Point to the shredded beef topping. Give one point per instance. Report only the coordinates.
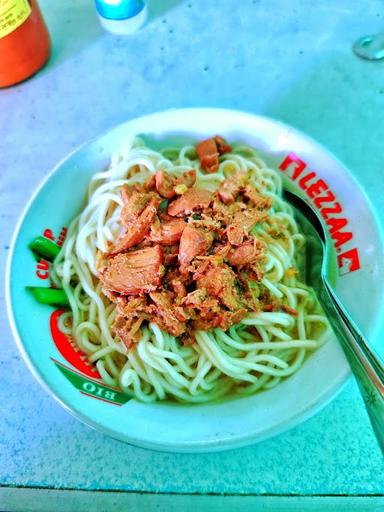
(187, 258)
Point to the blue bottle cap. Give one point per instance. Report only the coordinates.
(119, 9)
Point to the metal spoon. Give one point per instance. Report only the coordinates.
(370, 47)
(365, 363)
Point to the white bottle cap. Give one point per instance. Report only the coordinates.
(121, 17)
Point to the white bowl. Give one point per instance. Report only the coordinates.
(200, 428)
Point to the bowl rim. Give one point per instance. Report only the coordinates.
(209, 445)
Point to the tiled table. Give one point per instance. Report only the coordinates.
(290, 60)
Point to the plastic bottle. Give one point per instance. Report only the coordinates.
(121, 17)
(24, 40)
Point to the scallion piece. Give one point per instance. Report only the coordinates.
(52, 296)
(163, 206)
(45, 247)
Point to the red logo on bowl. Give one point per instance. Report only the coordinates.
(85, 376)
(329, 207)
(69, 350)
(42, 266)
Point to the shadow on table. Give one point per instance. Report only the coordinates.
(157, 8)
(73, 26)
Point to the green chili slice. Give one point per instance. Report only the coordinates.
(45, 248)
(52, 296)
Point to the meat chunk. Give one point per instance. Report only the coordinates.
(220, 282)
(167, 233)
(193, 242)
(207, 222)
(131, 313)
(128, 329)
(259, 201)
(255, 271)
(179, 288)
(149, 184)
(126, 192)
(136, 226)
(134, 272)
(230, 188)
(235, 234)
(171, 317)
(220, 211)
(166, 184)
(171, 253)
(195, 298)
(242, 223)
(130, 306)
(222, 320)
(209, 150)
(204, 308)
(247, 252)
(208, 155)
(246, 219)
(188, 178)
(222, 145)
(134, 204)
(194, 199)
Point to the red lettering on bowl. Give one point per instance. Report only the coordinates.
(320, 194)
(67, 348)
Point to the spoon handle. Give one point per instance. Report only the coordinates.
(365, 364)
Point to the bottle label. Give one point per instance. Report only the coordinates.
(12, 14)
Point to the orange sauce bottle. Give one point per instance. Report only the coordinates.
(24, 40)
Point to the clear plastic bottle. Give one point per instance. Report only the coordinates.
(121, 17)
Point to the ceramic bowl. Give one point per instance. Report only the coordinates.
(66, 373)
